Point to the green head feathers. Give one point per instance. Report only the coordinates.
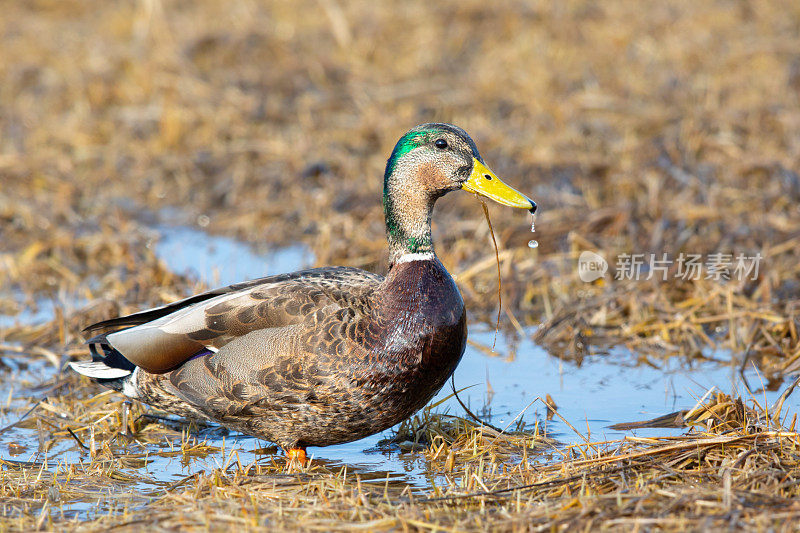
(411, 140)
(444, 159)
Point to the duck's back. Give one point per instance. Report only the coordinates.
(344, 354)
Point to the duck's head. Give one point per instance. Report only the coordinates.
(427, 162)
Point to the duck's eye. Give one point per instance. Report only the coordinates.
(440, 143)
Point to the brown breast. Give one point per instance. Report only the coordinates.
(423, 332)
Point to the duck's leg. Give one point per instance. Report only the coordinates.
(297, 454)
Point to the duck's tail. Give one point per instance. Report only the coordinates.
(108, 367)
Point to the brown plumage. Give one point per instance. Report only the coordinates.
(320, 356)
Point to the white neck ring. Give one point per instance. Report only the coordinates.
(407, 258)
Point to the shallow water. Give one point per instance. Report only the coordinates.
(603, 390)
(36, 311)
(220, 261)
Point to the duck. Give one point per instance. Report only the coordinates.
(320, 356)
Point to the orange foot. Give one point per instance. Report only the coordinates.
(296, 454)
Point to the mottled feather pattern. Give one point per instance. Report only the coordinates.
(321, 356)
(282, 301)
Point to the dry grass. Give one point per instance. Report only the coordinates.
(736, 468)
(662, 128)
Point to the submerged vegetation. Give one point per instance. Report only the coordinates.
(671, 128)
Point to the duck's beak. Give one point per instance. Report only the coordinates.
(484, 182)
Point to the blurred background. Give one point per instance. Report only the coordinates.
(150, 149)
(666, 127)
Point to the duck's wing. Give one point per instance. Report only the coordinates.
(160, 339)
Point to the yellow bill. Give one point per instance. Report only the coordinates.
(484, 182)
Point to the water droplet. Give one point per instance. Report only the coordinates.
(532, 243)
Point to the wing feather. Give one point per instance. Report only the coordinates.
(161, 339)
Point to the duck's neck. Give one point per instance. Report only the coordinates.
(407, 207)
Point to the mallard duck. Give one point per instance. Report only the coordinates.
(320, 356)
